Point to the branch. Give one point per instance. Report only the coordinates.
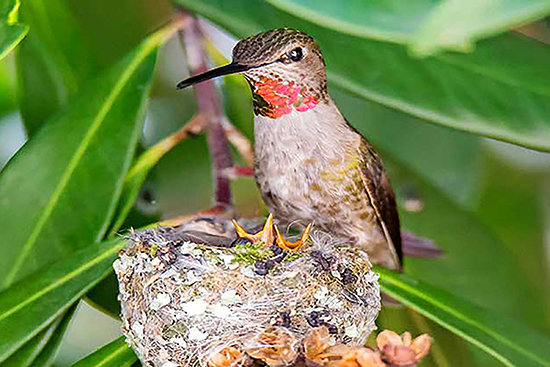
(239, 141)
(209, 105)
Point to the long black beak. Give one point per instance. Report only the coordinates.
(232, 68)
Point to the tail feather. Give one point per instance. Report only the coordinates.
(416, 246)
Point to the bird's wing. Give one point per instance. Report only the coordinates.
(381, 195)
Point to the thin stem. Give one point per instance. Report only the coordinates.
(239, 141)
(209, 105)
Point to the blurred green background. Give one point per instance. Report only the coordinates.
(485, 202)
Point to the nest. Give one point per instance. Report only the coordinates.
(196, 296)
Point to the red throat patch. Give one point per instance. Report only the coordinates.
(280, 99)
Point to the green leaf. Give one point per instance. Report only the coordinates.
(41, 349)
(65, 49)
(53, 63)
(11, 33)
(104, 296)
(49, 352)
(25, 355)
(467, 92)
(504, 339)
(427, 25)
(392, 21)
(448, 159)
(456, 24)
(116, 353)
(508, 188)
(87, 151)
(138, 173)
(28, 306)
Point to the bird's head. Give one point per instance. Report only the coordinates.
(285, 70)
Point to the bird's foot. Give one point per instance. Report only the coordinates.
(292, 246)
(266, 234)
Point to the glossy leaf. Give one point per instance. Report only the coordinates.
(41, 349)
(137, 174)
(87, 151)
(104, 296)
(65, 48)
(509, 342)
(28, 306)
(457, 24)
(53, 62)
(392, 21)
(25, 355)
(426, 25)
(11, 33)
(116, 353)
(469, 92)
(450, 160)
(49, 352)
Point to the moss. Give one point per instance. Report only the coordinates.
(293, 256)
(251, 253)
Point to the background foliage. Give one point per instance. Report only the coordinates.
(430, 83)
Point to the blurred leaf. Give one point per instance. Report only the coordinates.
(469, 250)
(25, 355)
(467, 92)
(41, 349)
(52, 63)
(28, 306)
(476, 265)
(172, 173)
(66, 49)
(11, 33)
(8, 102)
(104, 296)
(509, 342)
(49, 352)
(138, 173)
(116, 353)
(427, 25)
(87, 151)
(450, 160)
(392, 21)
(457, 24)
(507, 190)
(124, 24)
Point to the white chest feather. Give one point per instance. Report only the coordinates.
(294, 151)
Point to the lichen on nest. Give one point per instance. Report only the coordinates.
(192, 292)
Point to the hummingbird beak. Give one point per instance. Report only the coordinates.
(232, 68)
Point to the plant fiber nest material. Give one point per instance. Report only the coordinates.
(192, 292)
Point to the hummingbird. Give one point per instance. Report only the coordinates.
(310, 163)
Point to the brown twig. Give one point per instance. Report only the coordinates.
(239, 141)
(209, 105)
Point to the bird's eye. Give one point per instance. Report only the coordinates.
(296, 54)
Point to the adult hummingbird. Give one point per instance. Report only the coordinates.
(310, 164)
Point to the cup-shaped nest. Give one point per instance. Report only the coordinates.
(195, 296)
